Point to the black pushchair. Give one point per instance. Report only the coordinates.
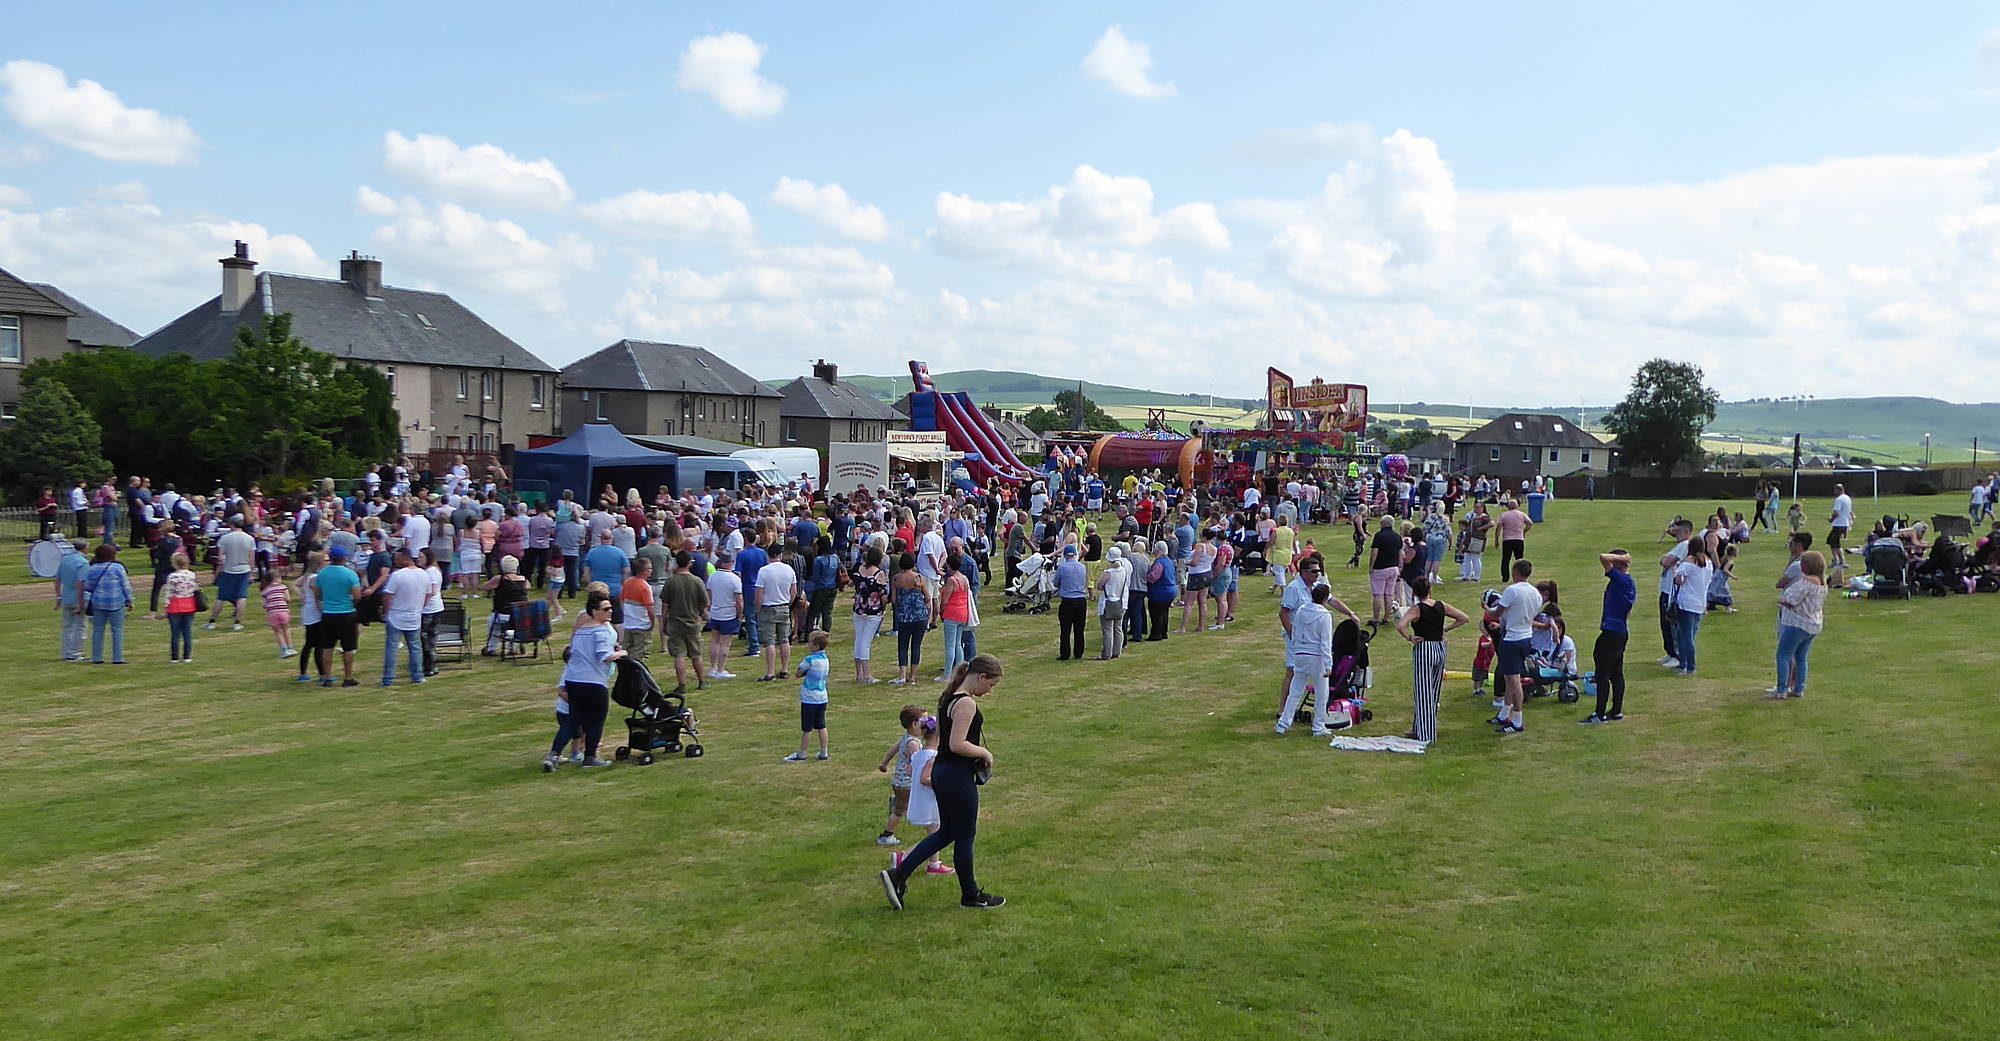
(1942, 572)
(658, 721)
(1347, 688)
(1888, 569)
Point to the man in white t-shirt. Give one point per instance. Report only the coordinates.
(1251, 496)
(235, 555)
(1519, 604)
(930, 558)
(1841, 520)
(403, 597)
(777, 597)
(725, 613)
(416, 530)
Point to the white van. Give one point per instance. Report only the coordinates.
(724, 472)
(790, 462)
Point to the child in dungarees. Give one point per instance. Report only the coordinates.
(899, 780)
(1719, 594)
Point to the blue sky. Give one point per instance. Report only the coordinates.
(1506, 202)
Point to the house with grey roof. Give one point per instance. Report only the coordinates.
(642, 387)
(460, 384)
(819, 410)
(1523, 444)
(39, 321)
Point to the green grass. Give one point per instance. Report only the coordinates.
(214, 851)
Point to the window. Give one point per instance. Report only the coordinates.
(1517, 424)
(1527, 455)
(486, 382)
(489, 442)
(732, 410)
(791, 431)
(1493, 455)
(1584, 456)
(390, 372)
(534, 392)
(464, 384)
(1555, 455)
(1559, 428)
(7, 411)
(10, 338)
(602, 397)
(667, 427)
(760, 433)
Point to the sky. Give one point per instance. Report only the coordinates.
(1502, 204)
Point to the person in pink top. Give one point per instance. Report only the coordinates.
(1514, 526)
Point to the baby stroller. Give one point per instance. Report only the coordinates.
(1034, 588)
(1942, 572)
(658, 721)
(1347, 688)
(1888, 570)
(1545, 678)
(1251, 561)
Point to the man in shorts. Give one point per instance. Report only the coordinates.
(1385, 564)
(683, 609)
(334, 587)
(235, 554)
(777, 597)
(635, 630)
(1841, 520)
(1519, 604)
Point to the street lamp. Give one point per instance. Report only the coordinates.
(1927, 450)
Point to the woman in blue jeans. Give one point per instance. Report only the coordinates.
(956, 774)
(1799, 619)
(1691, 581)
(108, 590)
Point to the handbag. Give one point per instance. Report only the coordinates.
(972, 612)
(1476, 545)
(982, 773)
(200, 601)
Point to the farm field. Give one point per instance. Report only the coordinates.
(212, 850)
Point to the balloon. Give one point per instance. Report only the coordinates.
(1396, 465)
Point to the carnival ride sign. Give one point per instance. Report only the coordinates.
(1317, 405)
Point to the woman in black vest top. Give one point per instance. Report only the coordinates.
(961, 765)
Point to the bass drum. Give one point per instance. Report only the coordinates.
(44, 558)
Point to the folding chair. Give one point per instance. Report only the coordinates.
(527, 626)
(453, 639)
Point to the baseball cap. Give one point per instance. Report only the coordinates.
(336, 553)
(1069, 550)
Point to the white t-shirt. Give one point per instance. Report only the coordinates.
(434, 600)
(1843, 511)
(237, 551)
(723, 589)
(416, 531)
(1251, 497)
(923, 810)
(408, 588)
(777, 584)
(1679, 553)
(1519, 604)
(930, 554)
(1692, 596)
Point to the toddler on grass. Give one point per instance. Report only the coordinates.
(899, 781)
(278, 611)
(923, 800)
(812, 697)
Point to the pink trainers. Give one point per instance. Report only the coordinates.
(940, 869)
(896, 859)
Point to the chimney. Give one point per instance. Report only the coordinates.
(826, 370)
(239, 278)
(363, 273)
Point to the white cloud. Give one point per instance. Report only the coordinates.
(718, 216)
(724, 67)
(786, 273)
(136, 262)
(1125, 65)
(18, 153)
(1230, 293)
(13, 198)
(478, 174)
(1196, 224)
(90, 118)
(1304, 144)
(123, 191)
(452, 245)
(1094, 208)
(830, 207)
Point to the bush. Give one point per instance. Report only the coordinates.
(1922, 488)
(1722, 494)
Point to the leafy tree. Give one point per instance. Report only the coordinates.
(147, 408)
(1660, 421)
(54, 441)
(1062, 416)
(288, 408)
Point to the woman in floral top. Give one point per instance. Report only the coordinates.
(871, 598)
(1437, 537)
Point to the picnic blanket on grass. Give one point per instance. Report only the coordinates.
(1377, 744)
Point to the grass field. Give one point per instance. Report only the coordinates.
(213, 851)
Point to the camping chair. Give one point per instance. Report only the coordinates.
(453, 642)
(526, 627)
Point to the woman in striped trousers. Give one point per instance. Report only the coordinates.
(1424, 625)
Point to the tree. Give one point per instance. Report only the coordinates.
(54, 441)
(1660, 421)
(286, 408)
(1063, 415)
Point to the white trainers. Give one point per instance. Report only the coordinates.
(210, 627)
(237, 628)
(286, 652)
(1671, 663)
(722, 675)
